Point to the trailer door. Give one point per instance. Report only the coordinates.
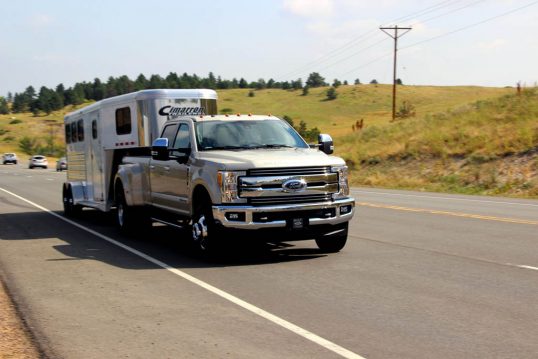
(96, 158)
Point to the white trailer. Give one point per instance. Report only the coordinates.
(100, 135)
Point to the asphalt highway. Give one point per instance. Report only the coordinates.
(423, 275)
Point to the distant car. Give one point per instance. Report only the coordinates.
(38, 161)
(9, 158)
(61, 164)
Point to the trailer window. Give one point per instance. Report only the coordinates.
(123, 121)
(94, 129)
(74, 135)
(67, 133)
(80, 130)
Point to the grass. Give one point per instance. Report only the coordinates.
(462, 139)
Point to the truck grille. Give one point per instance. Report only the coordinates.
(264, 201)
(271, 186)
(289, 171)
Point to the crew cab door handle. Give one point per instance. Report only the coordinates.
(167, 168)
(151, 167)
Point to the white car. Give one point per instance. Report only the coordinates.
(38, 161)
(9, 158)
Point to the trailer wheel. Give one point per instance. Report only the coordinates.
(333, 243)
(203, 227)
(130, 220)
(70, 208)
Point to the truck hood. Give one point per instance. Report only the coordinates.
(235, 160)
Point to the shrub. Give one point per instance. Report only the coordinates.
(15, 121)
(332, 94)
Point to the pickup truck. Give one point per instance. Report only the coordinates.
(245, 175)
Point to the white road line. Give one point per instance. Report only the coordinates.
(527, 267)
(447, 198)
(245, 305)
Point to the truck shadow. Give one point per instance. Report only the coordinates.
(165, 244)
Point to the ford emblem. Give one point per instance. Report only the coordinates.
(294, 185)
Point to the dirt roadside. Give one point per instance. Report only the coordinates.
(15, 342)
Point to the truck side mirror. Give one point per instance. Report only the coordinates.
(325, 143)
(159, 150)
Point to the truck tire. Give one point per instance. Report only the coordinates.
(333, 243)
(70, 208)
(203, 227)
(130, 220)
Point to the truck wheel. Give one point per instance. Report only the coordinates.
(203, 231)
(70, 208)
(130, 220)
(333, 243)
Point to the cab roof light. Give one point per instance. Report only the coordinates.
(238, 114)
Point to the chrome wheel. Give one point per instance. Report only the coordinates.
(199, 232)
(121, 215)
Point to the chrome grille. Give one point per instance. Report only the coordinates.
(289, 171)
(269, 186)
(260, 201)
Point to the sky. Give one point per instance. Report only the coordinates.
(452, 42)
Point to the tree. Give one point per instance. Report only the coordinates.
(141, 83)
(315, 80)
(332, 94)
(399, 82)
(289, 120)
(306, 89)
(374, 82)
(44, 101)
(27, 145)
(9, 97)
(243, 83)
(336, 83)
(297, 84)
(4, 109)
(357, 82)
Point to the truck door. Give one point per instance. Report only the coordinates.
(169, 179)
(177, 178)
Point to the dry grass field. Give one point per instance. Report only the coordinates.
(462, 139)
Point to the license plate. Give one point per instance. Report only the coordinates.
(297, 223)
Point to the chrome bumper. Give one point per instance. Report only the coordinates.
(220, 214)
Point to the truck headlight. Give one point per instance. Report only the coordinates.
(343, 185)
(228, 181)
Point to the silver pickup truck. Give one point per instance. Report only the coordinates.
(245, 175)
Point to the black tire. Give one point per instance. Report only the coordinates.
(130, 220)
(70, 208)
(333, 243)
(204, 235)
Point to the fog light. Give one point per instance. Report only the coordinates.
(235, 216)
(345, 209)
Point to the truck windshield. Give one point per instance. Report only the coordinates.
(246, 134)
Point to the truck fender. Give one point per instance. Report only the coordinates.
(132, 178)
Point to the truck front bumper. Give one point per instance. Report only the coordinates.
(293, 216)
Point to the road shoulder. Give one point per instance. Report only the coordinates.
(15, 340)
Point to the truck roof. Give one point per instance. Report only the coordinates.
(149, 95)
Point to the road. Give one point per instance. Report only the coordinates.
(423, 276)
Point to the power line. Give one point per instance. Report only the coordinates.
(471, 25)
(440, 36)
(351, 43)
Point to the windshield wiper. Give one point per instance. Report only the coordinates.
(273, 145)
(227, 148)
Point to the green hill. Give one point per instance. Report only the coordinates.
(460, 139)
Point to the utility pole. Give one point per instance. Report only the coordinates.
(395, 36)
